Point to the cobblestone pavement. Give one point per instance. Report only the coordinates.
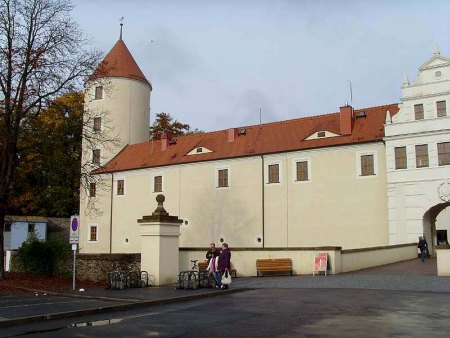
(404, 276)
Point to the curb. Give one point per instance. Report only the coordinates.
(62, 294)
(121, 307)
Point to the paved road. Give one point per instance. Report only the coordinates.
(38, 304)
(269, 312)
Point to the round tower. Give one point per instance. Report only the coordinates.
(117, 103)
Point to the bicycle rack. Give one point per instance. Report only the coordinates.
(132, 279)
(193, 279)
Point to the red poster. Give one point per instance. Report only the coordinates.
(320, 261)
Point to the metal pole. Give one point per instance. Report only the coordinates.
(74, 267)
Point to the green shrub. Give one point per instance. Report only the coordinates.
(42, 258)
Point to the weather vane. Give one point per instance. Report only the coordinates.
(121, 26)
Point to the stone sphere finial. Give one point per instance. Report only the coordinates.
(160, 208)
(160, 198)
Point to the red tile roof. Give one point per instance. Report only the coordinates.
(267, 138)
(119, 63)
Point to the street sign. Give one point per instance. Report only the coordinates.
(74, 229)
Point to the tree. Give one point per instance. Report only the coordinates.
(47, 179)
(43, 54)
(164, 124)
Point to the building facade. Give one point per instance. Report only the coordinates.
(418, 156)
(324, 180)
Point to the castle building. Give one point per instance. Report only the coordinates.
(355, 178)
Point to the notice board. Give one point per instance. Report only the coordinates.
(320, 262)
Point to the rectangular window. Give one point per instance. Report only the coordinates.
(367, 165)
(93, 233)
(422, 156)
(120, 187)
(96, 156)
(441, 108)
(274, 173)
(157, 184)
(31, 227)
(222, 180)
(302, 171)
(92, 189)
(400, 158)
(98, 92)
(97, 123)
(7, 227)
(418, 111)
(444, 153)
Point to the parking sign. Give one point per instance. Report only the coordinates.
(74, 229)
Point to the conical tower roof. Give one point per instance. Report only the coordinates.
(119, 63)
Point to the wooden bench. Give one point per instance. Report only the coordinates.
(273, 266)
(203, 265)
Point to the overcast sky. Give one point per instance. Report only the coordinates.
(213, 64)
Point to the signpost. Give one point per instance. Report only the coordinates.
(74, 240)
(320, 262)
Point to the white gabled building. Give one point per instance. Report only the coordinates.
(418, 155)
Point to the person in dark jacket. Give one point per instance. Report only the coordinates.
(423, 247)
(225, 261)
(212, 252)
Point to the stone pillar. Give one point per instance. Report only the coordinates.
(443, 260)
(160, 234)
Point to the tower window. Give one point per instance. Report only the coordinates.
(97, 124)
(400, 157)
(98, 93)
(92, 189)
(418, 111)
(92, 233)
(96, 156)
(441, 108)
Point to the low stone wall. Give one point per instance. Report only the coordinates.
(357, 259)
(95, 267)
(339, 261)
(244, 259)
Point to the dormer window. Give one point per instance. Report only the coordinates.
(321, 134)
(199, 151)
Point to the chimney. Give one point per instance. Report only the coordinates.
(165, 139)
(346, 119)
(231, 134)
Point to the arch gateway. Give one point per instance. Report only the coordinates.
(418, 157)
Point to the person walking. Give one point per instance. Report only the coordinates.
(225, 261)
(423, 247)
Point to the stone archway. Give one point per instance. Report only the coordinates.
(429, 225)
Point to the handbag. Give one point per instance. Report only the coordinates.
(226, 277)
